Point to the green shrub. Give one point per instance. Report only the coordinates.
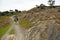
(42, 6)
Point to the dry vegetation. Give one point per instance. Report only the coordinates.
(35, 15)
(45, 23)
(4, 24)
(4, 20)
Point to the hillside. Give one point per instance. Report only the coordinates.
(4, 20)
(35, 15)
(42, 24)
(34, 24)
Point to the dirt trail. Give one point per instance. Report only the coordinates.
(7, 33)
(19, 32)
(18, 35)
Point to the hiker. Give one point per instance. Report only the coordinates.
(15, 18)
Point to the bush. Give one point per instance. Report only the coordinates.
(42, 6)
(51, 3)
(37, 6)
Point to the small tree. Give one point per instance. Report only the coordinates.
(19, 11)
(51, 3)
(11, 10)
(42, 6)
(16, 10)
(37, 6)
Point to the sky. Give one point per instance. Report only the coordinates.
(22, 4)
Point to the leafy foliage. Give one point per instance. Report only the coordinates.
(42, 6)
(51, 2)
(9, 13)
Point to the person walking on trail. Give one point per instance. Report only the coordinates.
(15, 18)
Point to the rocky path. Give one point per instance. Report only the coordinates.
(45, 30)
(19, 33)
(7, 33)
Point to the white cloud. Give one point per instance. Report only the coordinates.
(21, 4)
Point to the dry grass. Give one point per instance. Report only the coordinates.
(42, 15)
(25, 24)
(4, 20)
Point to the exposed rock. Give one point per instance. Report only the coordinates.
(47, 30)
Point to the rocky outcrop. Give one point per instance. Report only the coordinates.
(47, 30)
